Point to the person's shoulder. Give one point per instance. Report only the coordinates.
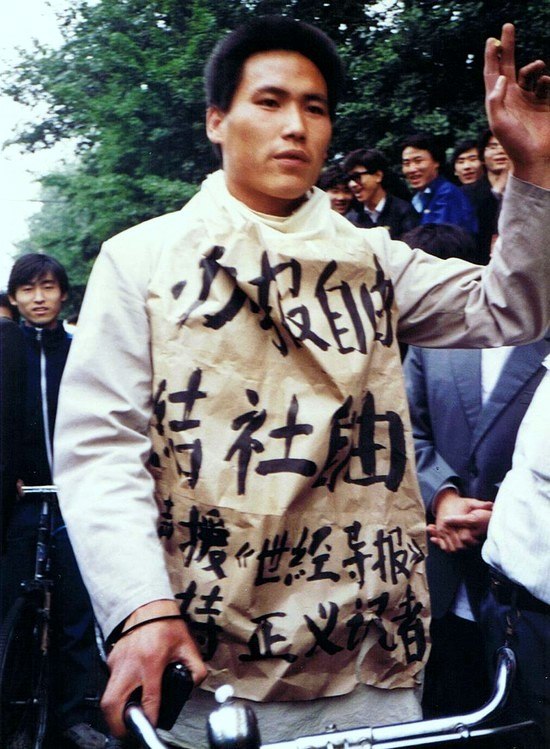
(446, 187)
(399, 204)
(157, 227)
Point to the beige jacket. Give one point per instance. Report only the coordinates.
(257, 359)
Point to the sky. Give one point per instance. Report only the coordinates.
(19, 192)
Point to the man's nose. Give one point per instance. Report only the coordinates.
(38, 295)
(294, 121)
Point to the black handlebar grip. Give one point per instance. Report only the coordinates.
(177, 684)
(176, 687)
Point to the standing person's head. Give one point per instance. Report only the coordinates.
(366, 169)
(7, 309)
(422, 159)
(492, 154)
(272, 86)
(38, 286)
(466, 162)
(334, 182)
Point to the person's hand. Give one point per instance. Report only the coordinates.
(460, 522)
(139, 660)
(518, 108)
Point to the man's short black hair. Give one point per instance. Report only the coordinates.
(371, 158)
(461, 147)
(262, 34)
(484, 138)
(331, 177)
(33, 267)
(425, 142)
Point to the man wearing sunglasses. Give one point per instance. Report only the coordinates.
(369, 179)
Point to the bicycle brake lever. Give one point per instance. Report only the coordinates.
(175, 690)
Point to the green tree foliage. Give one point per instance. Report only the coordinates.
(127, 87)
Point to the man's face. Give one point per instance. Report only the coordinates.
(275, 135)
(39, 302)
(340, 198)
(495, 156)
(365, 187)
(419, 167)
(468, 166)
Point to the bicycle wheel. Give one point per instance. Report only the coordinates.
(23, 678)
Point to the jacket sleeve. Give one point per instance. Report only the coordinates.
(102, 444)
(452, 303)
(434, 473)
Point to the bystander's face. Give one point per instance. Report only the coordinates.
(366, 188)
(419, 167)
(275, 135)
(468, 166)
(39, 301)
(340, 198)
(495, 157)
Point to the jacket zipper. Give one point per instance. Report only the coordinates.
(44, 399)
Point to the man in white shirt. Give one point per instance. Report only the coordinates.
(251, 361)
(518, 551)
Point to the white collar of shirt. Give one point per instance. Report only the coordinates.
(375, 213)
(492, 363)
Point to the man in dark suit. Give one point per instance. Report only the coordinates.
(369, 178)
(466, 408)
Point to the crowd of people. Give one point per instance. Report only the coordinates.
(365, 189)
(305, 459)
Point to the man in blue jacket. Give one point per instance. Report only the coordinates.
(436, 199)
(38, 286)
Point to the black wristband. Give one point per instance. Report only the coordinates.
(131, 629)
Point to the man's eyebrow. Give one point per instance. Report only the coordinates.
(277, 91)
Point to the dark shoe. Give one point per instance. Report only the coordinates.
(83, 736)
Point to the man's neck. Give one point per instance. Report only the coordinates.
(374, 199)
(498, 180)
(50, 326)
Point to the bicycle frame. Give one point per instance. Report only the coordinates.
(41, 580)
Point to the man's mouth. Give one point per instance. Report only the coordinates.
(293, 156)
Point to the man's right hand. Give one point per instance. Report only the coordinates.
(139, 660)
(460, 522)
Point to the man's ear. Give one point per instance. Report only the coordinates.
(214, 125)
(64, 296)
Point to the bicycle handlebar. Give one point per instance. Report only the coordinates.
(234, 726)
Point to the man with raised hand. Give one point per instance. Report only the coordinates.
(256, 331)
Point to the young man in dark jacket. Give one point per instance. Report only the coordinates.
(38, 286)
(369, 177)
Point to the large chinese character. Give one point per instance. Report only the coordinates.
(269, 559)
(411, 629)
(246, 444)
(288, 433)
(188, 397)
(367, 446)
(262, 641)
(166, 524)
(206, 630)
(268, 276)
(391, 560)
(344, 294)
(207, 534)
(321, 635)
(382, 289)
(210, 268)
(357, 560)
(339, 444)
